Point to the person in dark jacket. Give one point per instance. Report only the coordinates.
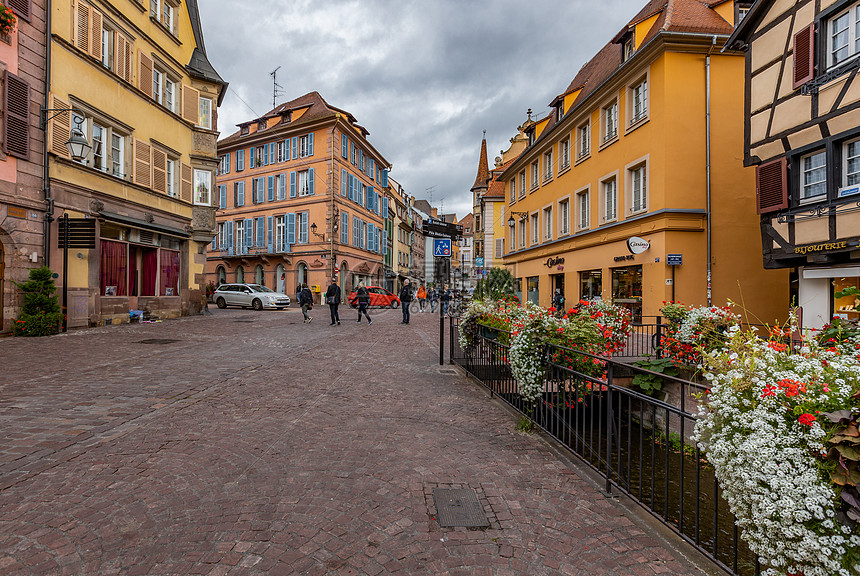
(558, 302)
(332, 298)
(446, 298)
(306, 299)
(405, 300)
(363, 302)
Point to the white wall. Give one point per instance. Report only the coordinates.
(814, 298)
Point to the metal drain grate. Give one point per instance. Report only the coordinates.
(158, 341)
(447, 371)
(459, 507)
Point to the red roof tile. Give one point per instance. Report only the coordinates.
(483, 168)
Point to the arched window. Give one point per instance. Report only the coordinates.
(302, 270)
(240, 274)
(260, 275)
(221, 275)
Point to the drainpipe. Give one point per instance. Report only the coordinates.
(708, 158)
(331, 226)
(46, 183)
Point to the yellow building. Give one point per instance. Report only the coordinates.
(638, 167)
(142, 92)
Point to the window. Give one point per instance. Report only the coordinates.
(240, 240)
(639, 101)
(158, 85)
(610, 121)
(638, 189)
(523, 184)
(583, 140)
(202, 188)
(169, 273)
(302, 227)
(547, 166)
(240, 160)
(170, 94)
(564, 217)
(280, 234)
(205, 113)
(852, 164)
(282, 151)
(743, 10)
(535, 174)
(513, 193)
(306, 145)
(99, 136)
(167, 17)
(547, 223)
(117, 155)
(629, 48)
(610, 199)
(563, 154)
(814, 175)
(843, 35)
(534, 227)
(583, 208)
(171, 178)
(108, 48)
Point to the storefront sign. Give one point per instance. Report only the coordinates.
(624, 258)
(14, 212)
(637, 245)
(820, 247)
(550, 262)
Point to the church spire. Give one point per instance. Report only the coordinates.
(483, 176)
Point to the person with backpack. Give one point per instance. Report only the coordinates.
(422, 298)
(306, 299)
(434, 299)
(363, 302)
(332, 298)
(405, 300)
(558, 302)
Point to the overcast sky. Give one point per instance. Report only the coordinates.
(425, 77)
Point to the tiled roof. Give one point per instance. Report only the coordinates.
(319, 108)
(497, 187)
(483, 168)
(199, 64)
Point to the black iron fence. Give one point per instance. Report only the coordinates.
(639, 443)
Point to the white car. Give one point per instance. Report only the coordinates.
(253, 295)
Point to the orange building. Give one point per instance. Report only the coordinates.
(300, 194)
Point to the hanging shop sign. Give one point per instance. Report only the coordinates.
(637, 245)
(551, 262)
(825, 247)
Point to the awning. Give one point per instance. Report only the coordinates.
(138, 223)
(847, 272)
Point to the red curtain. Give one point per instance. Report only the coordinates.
(169, 272)
(149, 270)
(114, 268)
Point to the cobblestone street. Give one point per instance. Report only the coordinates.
(249, 443)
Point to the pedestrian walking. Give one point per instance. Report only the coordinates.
(332, 298)
(446, 298)
(422, 298)
(306, 299)
(558, 302)
(405, 300)
(434, 299)
(363, 302)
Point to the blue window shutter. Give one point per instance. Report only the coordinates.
(304, 227)
(286, 149)
(230, 238)
(265, 154)
(259, 231)
(241, 193)
(240, 160)
(354, 231)
(273, 152)
(343, 182)
(282, 186)
(249, 233)
(270, 190)
(292, 185)
(295, 147)
(227, 163)
(385, 207)
(385, 177)
(344, 227)
(311, 181)
(351, 187)
(363, 238)
(352, 152)
(251, 157)
(311, 144)
(344, 145)
(222, 196)
(385, 242)
(370, 168)
(291, 228)
(270, 233)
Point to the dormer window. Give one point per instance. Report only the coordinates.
(261, 125)
(629, 48)
(286, 117)
(245, 130)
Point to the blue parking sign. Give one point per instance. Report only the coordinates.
(442, 247)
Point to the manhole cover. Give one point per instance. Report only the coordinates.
(158, 341)
(459, 507)
(447, 371)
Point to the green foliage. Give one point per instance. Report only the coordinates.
(525, 425)
(845, 454)
(838, 331)
(674, 312)
(651, 383)
(498, 285)
(850, 291)
(41, 313)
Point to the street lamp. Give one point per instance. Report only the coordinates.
(78, 146)
(511, 220)
(314, 230)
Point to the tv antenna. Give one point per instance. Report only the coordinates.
(277, 89)
(430, 191)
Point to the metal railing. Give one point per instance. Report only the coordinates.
(639, 444)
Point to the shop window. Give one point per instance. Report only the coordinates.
(627, 289)
(532, 284)
(590, 284)
(169, 273)
(847, 307)
(114, 268)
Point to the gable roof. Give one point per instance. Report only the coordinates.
(199, 65)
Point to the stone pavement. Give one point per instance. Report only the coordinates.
(250, 443)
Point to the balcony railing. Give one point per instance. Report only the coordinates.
(254, 250)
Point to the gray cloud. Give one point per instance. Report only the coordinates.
(424, 77)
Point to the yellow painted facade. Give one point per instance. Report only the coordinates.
(145, 97)
(655, 168)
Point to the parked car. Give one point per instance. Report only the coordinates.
(379, 297)
(253, 295)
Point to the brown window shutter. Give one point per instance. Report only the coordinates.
(159, 170)
(804, 56)
(59, 128)
(16, 141)
(96, 21)
(122, 57)
(142, 174)
(144, 73)
(185, 188)
(21, 8)
(771, 186)
(190, 104)
(82, 27)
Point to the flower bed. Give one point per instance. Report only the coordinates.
(693, 330)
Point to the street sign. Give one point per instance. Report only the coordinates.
(674, 259)
(479, 261)
(442, 247)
